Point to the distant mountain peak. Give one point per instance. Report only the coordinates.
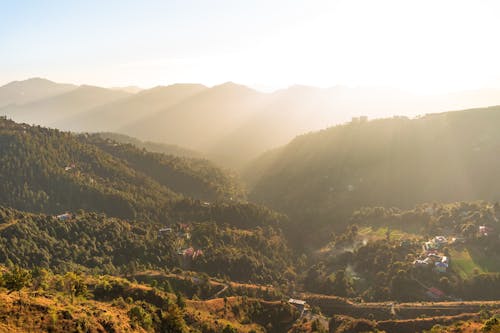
(34, 81)
(29, 90)
(233, 87)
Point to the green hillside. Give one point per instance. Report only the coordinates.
(399, 162)
(95, 242)
(155, 147)
(45, 170)
(196, 178)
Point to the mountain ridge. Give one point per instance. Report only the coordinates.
(398, 161)
(231, 123)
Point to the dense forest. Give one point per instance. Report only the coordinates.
(96, 243)
(45, 170)
(155, 147)
(195, 178)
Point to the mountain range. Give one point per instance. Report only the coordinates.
(229, 123)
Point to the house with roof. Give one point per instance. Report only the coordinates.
(299, 304)
(421, 263)
(64, 217)
(485, 230)
(440, 267)
(434, 293)
(440, 241)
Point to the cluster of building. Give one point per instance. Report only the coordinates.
(434, 294)
(64, 217)
(191, 253)
(182, 236)
(432, 255)
(484, 230)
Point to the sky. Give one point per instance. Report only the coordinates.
(419, 46)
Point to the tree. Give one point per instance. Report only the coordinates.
(181, 303)
(74, 285)
(340, 285)
(16, 279)
(131, 268)
(173, 320)
(229, 329)
(141, 317)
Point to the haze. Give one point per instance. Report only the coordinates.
(419, 46)
(230, 166)
(294, 67)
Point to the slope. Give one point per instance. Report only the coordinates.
(201, 121)
(388, 162)
(50, 171)
(155, 147)
(95, 242)
(230, 124)
(196, 178)
(26, 91)
(114, 116)
(52, 110)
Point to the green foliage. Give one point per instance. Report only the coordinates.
(74, 285)
(16, 279)
(380, 269)
(173, 321)
(140, 317)
(196, 178)
(229, 329)
(91, 241)
(45, 170)
(180, 301)
(155, 147)
(492, 324)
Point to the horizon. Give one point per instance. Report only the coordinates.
(266, 46)
(263, 90)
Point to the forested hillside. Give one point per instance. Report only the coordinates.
(44, 170)
(155, 147)
(196, 178)
(324, 176)
(220, 245)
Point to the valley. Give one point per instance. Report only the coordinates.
(325, 166)
(106, 232)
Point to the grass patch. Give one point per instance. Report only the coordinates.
(381, 233)
(463, 263)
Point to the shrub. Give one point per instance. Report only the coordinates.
(140, 317)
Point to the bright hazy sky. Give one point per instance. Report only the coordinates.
(422, 46)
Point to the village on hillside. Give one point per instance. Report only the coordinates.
(436, 255)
